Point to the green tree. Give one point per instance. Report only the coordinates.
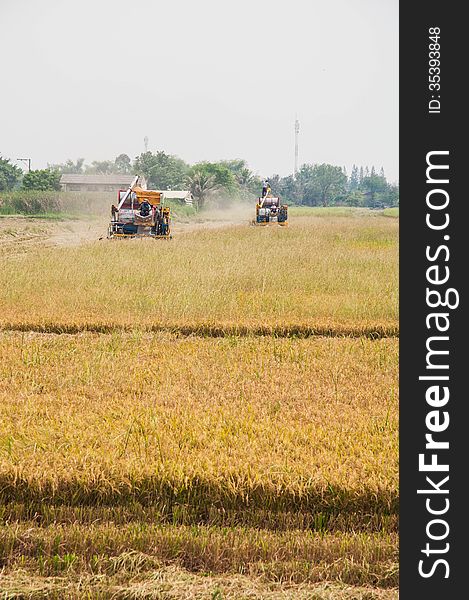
(254, 186)
(239, 168)
(202, 185)
(303, 187)
(123, 164)
(328, 181)
(391, 196)
(144, 163)
(101, 167)
(69, 166)
(9, 174)
(291, 189)
(354, 179)
(42, 179)
(162, 171)
(223, 176)
(355, 198)
(249, 185)
(372, 186)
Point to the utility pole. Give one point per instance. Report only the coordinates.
(26, 161)
(145, 142)
(297, 131)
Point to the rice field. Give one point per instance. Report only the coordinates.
(320, 276)
(214, 417)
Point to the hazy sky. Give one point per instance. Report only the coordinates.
(203, 79)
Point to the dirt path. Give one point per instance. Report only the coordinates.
(18, 233)
(75, 233)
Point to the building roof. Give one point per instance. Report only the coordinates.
(97, 179)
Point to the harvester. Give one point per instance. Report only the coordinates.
(270, 211)
(140, 213)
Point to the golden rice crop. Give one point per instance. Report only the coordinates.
(238, 423)
(320, 275)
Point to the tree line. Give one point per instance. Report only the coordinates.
(329, 185)
(222, 181)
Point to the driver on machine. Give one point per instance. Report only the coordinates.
(145, 208)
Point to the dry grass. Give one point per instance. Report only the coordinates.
(136, 548)
(174, 583)
(324, 276)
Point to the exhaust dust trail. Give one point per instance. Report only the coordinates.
(235, 214)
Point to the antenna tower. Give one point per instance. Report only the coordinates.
(297, 131)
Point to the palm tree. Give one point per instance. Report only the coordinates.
(245, 177)
(202, 186)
